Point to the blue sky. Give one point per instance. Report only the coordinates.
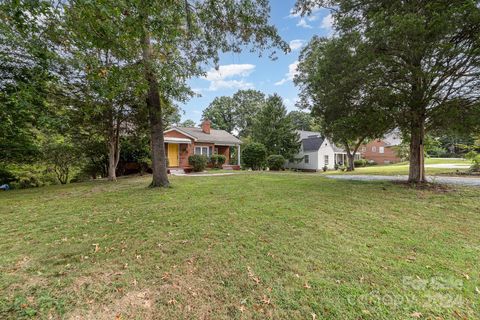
(249, 71)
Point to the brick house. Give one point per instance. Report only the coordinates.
(383, 151)
(182, 142)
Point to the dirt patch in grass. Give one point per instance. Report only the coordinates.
(184, 292)
(427, 186)
(133, 304)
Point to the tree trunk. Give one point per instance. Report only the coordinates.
(350, 154)
(113, 147)
(111, 160)
(351, 159)
(159, 167)
(417, 165)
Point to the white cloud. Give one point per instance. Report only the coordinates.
(327, 23)
(290, 103)
(296, 44)
(292, 71)
(304, 24)
(221, 78)
(230, 84)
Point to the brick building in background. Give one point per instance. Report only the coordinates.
(383, 151)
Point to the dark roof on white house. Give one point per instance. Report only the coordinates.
(215, 136)
(312, 141)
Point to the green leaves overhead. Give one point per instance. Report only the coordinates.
(424, 54)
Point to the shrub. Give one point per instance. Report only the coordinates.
(325, 168)
(217, 160)
(254, 155)
(360, 163)
(33, 176)
(371, 163)
(475, 167)
(275, 162)
(198, 162)
(6, 177)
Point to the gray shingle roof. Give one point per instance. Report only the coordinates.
(215, 136)
(393, 138)
(305, 134)
(312, 143)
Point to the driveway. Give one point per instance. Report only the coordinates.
(436, 179)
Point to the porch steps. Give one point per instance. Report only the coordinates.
(175, 171)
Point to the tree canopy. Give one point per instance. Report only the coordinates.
(275, 130)
(428, 52)
(343, 92)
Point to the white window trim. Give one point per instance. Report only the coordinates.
(306, 159)
(374, 149)
(381, 149)
(326, 160)
(202, 149)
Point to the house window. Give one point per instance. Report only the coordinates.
(374, 149)
(306, 158)
(381, 149)
(326, 160)
(202, 151)
(364, 149)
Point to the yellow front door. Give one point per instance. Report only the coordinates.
(173, 155)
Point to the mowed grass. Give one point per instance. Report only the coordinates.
(403, 167)
(246, 246)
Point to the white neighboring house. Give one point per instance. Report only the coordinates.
(316, 152)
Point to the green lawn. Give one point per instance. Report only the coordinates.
(402, 168)
(247, 246)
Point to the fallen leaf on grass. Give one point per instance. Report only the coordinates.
(416, 315)
(97, 247)
(477, 290)
(252, 275)
(314, 316)
(466, 276)
(411, 258)
(165, 276)
(307, 286)
(266, 300)
(242, 308)
(172, 302)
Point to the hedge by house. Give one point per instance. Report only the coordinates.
(217, 160)
(198, 162)
(275, 162)
(254, 155)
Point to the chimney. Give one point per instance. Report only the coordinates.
(206, 126)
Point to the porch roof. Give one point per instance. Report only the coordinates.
(176, 140)
(217, 137)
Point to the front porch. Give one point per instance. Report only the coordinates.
(178, 152)
(341, 158)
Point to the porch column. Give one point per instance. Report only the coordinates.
(238, 154)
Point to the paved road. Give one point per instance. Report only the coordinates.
(437, 179)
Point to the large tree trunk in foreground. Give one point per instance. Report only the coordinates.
(159, 167)
(417, 159)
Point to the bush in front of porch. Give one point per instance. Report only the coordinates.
(198, 162)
